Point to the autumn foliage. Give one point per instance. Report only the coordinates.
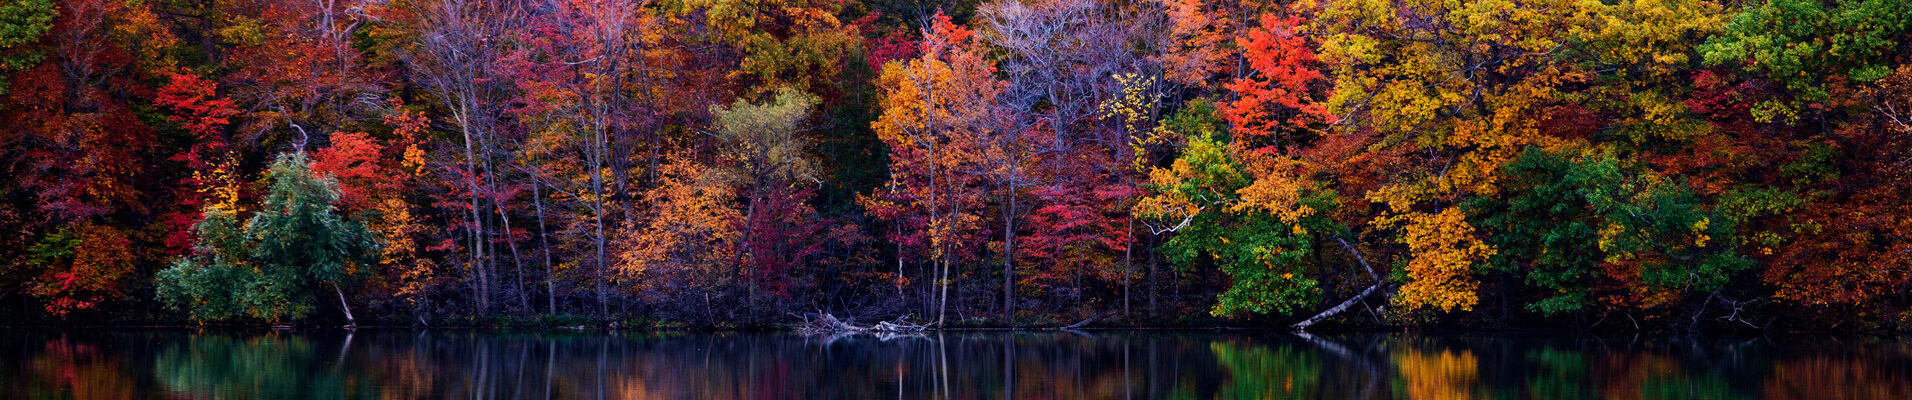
(1680, 164)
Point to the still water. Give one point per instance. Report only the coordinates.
(411, 364)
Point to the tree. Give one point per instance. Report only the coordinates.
(459, 58)
(765, 141)
(211, 157)
(1587, 230)
(22, 23)
(1203, 197)
(1802, 45)
(293, 65)
(216, 281)
(1196, 41)
(300, 239)
(1057, 153)
(1278, 97)
(1462, 88)
(1848, 248)
(81, 267)
(71, 117)
(798, 44)
(1444, 249)
(687, 244)
(375, 178)
(936, 110)
(273, 267)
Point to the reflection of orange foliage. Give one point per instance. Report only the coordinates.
(1446, 375)
(634, 387)
(1633, 372)
(81, 371)
(1825, 377)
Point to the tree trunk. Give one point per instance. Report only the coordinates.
(349, 321)
(1128, 257)
(511, 242)
(1337, 309)
(1303, 325)
(544, 243)
(1009, 256)
(597, 196)
(477, 221)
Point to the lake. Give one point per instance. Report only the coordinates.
(408, 364)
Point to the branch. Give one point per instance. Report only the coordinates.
(1337, 309)
(1358, 257)
(1083, 323)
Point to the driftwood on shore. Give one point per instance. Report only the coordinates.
(827, 324)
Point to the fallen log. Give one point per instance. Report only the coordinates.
(1303, 325)
(1080, 324)
(1337, 309)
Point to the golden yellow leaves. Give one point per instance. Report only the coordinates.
(221, 188)
(1276, 189)
(1441, 271)
(1136, 103)
(692, 226)
(1174, 201)
(1651, 36)
(1699, 232)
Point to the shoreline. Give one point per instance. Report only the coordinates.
(793, 330)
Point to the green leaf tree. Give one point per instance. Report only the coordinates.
(289, 252)
(1801, 44)
(1584, 228)
(22, 22)
(1200, 198)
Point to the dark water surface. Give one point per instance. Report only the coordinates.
(409, 364)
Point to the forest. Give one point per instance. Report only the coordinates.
(1631, 165)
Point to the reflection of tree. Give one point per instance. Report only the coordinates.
(1851, 376)
(1025, 365)
(1678, 370)
(1436, 373)
(1659, 377)
(74, 370)
(1557, 374)
(267, 366)
(1259, 372)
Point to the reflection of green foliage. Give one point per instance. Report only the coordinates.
(272, 366)
(1677, 386)
(1558, 375)
(1257, 372)
(1800, 43)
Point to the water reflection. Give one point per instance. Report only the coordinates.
(400, 364)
